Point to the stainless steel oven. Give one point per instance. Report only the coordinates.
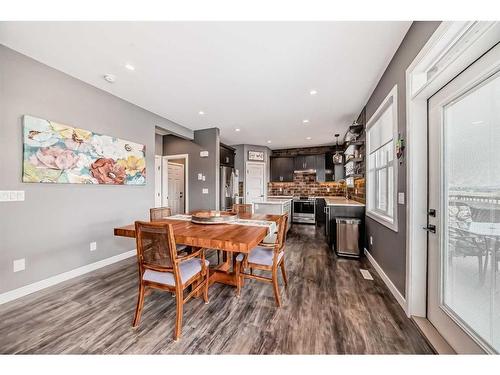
(304, 210)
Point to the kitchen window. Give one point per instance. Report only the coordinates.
(381, 182)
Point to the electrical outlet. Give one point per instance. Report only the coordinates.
(19, 265)
(371, 240)
(93, 246)
(203, 178)
(205, 191)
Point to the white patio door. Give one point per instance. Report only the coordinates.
(464, 208)
(255, 182)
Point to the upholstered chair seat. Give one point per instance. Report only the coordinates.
(187, 269)
(261, 255)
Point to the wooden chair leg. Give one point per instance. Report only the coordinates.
(238, 278)
(205, 289)
(283, 272)
(178, 321)
(140, 304)
(276, 287)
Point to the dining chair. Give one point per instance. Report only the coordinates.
(160, 213)
(243, 208)
(266, 257)
(160, 267)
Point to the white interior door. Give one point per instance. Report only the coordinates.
(464, 192)
(255, 182)
(158, 181)
(176, 187)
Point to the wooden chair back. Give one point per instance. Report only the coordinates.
(281, 237)
(158, 213)
(242, 208)
(156, 247)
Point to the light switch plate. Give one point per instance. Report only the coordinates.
(12, 196)
(401, 198)
(93, 246)
(19, 265)
(4, 196)
(20, 195)
(203, 154)
(205, 191)
(203, 178)
(200, 176)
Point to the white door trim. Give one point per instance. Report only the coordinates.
(260, 163)
(164, 194)
(452, 47)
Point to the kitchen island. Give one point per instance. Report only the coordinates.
(341, 207)
(275, 206)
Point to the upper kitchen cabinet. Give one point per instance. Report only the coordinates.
(320, 168)
(282, 169)
(305, 162)
(226, 156)
(333, 172)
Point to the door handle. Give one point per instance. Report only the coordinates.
(430, 228)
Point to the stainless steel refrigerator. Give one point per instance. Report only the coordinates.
(228, 187)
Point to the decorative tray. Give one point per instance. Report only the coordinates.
(213, 217)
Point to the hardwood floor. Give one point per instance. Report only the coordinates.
(328, 308)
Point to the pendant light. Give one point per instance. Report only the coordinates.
(337, 158)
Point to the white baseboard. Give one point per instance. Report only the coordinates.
(53, 280)
(395, 292)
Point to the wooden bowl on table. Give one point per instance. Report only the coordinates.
(213, 217)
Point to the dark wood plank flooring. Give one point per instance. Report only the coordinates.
(328, 309)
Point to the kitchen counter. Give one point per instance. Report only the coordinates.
(341, 201)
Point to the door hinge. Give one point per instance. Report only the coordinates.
(430, 228)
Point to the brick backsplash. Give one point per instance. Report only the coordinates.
(306, 184)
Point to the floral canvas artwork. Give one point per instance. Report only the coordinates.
(57, 153)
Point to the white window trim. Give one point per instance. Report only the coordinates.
(391, 98)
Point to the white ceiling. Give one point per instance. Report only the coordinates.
(255, 76)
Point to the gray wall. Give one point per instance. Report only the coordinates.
(204, 140)
(389, 247)
(55, 224)
(241, 157)
(158, 144)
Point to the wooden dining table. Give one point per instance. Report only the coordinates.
(230, 238)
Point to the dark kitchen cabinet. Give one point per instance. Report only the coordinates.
(282, 169)
(333, 172)
(320, 168)
(320, 211)
(304, 162)
(226, 156)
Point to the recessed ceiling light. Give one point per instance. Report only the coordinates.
(201, 113)
(305, 121)
(130, 67)
(237, 129)
(111, 78)
(308, 138)
(313, 92)
(268, 141)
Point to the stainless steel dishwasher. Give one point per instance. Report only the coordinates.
(347, 241)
